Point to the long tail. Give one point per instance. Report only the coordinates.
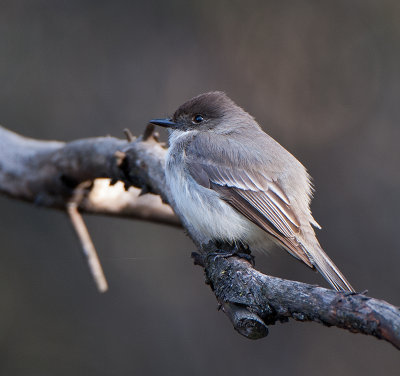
(328, 269)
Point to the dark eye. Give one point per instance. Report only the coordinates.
(197, 118)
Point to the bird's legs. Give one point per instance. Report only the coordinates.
(237, 249)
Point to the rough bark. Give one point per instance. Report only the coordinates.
(48, 172)
(236, 284)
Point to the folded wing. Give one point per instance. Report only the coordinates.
(256, 197)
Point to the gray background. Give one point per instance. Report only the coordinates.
(322, 77)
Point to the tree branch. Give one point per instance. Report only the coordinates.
(272, 299)
(48, 172)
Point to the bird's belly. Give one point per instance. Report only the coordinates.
(211, 216)
(206, 211)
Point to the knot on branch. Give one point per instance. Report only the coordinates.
(247, 323)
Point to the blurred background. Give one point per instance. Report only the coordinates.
(322, 77)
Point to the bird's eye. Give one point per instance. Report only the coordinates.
(197, 118)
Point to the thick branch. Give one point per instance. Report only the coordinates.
(47, 173)
(273, 299)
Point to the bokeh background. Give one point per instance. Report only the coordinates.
(322, 77)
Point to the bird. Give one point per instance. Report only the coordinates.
(236, 185)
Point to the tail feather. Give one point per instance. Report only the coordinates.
(329, 270)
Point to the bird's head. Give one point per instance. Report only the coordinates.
(213, 111)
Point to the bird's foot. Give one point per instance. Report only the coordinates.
(240, 251)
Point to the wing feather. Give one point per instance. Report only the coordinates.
(234, 198)
(267, 207)
(265, 198)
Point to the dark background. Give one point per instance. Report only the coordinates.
(322, 77)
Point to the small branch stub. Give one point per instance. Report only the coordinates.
(246, 323)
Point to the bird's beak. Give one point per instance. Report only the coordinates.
(167, 123)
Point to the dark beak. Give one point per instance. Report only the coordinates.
(167, 123)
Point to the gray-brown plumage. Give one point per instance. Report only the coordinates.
(234, 183)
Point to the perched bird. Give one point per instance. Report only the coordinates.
(235, 184)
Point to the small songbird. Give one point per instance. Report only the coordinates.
(236, 185)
